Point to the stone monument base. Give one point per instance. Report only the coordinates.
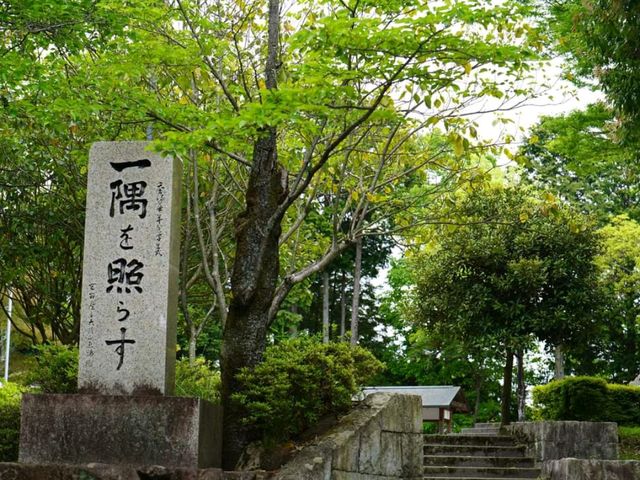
(176, 432)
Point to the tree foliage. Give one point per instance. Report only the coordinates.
(512, 268)
(580, 157)
(602, 38)
(618, 348)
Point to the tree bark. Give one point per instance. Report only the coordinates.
(343, 308)
(325, 307)
(193, 339)
(522, 387)
(256, 267)
(478, 390)
(253, 284)
(506, 389)
(559, 362)
(355, 305)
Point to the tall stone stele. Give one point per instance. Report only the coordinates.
(130, 271)
(124, 414)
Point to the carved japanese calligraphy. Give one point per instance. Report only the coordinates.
(128, 196)
(123, 275)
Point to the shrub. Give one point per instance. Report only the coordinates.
(299, 381)
(624, 404)
(587, 399)
(56, 369)
(197, 380)
(572, 398)
(10, 397)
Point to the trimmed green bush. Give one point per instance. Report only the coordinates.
(56, 369)
(624, 404)
(572, 398)
(197, 380)
(10, 397)
(587, 399)
(299, 381)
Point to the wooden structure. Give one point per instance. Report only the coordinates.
(439, 403)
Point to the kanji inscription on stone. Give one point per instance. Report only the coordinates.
(130, 270)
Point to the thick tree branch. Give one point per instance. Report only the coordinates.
(292, 279)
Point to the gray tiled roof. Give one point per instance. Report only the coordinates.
(432, 396)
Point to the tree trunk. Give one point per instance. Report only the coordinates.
(506, 389)
(253, 284)
(343, 308)
(293, 327)
(478, 389)
(355, 305)
(256, 266)
(559, 362)
(522, 387)
(325, 307)
(193, 337)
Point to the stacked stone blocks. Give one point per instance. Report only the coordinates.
(380, 439)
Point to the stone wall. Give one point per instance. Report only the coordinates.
(381, 439)
(556, 440)
(581, 469)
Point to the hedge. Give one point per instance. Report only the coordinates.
(10, 397)
(587, 399)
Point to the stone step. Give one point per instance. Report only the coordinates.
(478, 461)
(480, 431)
(458, 439)
(480, 472)
(475, 450)
(487, 425)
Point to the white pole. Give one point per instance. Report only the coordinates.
(6, 352)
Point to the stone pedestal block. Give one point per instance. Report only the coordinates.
(567, 439)
(120, 430)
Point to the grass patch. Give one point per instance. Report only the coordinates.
(629, 443)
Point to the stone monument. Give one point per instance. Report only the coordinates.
(124, 414)
(130, 271)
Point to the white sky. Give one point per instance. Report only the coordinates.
(560, 98)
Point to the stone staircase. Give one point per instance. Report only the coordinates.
(476, 453)
(482, 429)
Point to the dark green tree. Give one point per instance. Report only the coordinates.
(512, 269)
